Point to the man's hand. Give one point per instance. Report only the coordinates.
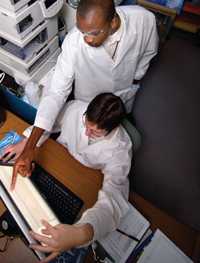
(61, 238)
(23, 166)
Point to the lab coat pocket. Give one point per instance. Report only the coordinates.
(126, 69)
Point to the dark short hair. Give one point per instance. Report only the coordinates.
(107, 7)
(106, 110)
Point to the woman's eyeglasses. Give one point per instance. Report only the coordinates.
(92, 130)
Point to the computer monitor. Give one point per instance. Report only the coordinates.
(18, 218)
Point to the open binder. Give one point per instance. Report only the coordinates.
(25, 204)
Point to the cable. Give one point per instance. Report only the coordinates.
(2, 76)
(5, 245)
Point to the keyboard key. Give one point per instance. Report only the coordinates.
(65, 204)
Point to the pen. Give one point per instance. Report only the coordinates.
(130, 236)
(13, 140)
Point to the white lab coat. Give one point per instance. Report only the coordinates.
(93, 69)
(112, 155)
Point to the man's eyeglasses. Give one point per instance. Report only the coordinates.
(93, 33)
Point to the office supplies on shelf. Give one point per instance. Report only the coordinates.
(22, 22)
(162, 249)
(50, 7)
(49, 28)
(35, 59)
(35, 75)
(32, 44)
(27, 30)
(118, 245)
(64, 203)
(14, 5)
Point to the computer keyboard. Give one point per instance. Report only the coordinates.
(65, 204)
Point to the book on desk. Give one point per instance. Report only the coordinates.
(138, 243)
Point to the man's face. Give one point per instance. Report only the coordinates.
(94, 28)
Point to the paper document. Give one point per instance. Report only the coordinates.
(28, 200)
(162, 249)
(118, 245)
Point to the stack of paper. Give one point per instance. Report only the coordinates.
(162, 249)
(120, 243)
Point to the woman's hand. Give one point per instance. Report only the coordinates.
(13, 151)
(61, 238)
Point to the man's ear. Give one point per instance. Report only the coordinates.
(115, 23)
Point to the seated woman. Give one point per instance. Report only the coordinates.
(93, 134)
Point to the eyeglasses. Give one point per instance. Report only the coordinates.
(93, 33)
(92, 130)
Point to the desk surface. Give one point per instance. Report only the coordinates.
(55, 159)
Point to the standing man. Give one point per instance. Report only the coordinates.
(108, 51)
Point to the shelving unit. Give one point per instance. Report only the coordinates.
(165, 17)
(29, 43)
(189, 19)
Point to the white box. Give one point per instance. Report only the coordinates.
(27, 53)
(13, 5)
(49, 7)
(49, 25)
(21, 23)
(33, 76)
(34, 45)
(39, 57)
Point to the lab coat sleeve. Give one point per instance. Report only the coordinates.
(150, 44)
(112, 203)
(60, 88)
(46, 134)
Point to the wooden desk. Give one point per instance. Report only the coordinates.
(55, 159)
(86, 182)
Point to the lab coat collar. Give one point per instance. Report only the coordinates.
(116, 37)
(100, 52)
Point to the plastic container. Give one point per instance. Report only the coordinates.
(17, 105)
